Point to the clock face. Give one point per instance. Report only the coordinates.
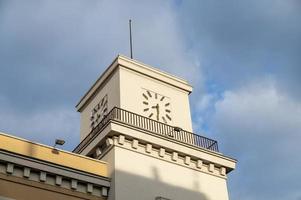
(99, 111)
(156, 106)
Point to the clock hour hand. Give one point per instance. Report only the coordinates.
(157, 108)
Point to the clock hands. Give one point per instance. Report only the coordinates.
(153, 102)
(157, 109)
(158, 112)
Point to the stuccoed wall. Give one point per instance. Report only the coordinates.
(111, 88)
(125, 80)
(138, 176)
(133, 84)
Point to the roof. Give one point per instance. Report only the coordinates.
(49, 154)
(134, 65)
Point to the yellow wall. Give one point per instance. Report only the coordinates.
(31, 190)
(49, 154)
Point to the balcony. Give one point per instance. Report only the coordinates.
(144, 123)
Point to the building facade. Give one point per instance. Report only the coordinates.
(137, 119)
(33, 171)
(136, 143)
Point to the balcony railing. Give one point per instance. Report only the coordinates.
(133, 119)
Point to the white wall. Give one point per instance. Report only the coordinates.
(138, 176)
(111, 88)
(132, 85)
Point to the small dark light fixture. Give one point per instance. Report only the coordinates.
(161, 198)
(58, 142)
(177, 129)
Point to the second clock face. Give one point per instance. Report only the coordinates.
(156, 106)
(99, 111)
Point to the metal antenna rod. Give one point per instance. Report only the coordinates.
(131, 45)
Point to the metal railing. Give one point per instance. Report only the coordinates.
(139, 121)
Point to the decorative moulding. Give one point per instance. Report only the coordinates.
(162, 153)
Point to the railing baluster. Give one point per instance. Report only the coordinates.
(136, 120)
(117, 113)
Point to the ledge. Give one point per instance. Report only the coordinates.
(115, 128)
(165, 154)
(49, 154)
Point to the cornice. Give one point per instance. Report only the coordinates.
(49, 154)
(49, 174)
(136, 66)
(164, 154)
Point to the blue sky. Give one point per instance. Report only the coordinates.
(242, 57)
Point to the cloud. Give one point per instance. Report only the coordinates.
(43, 126)
(261, 127)
(51, 52)
(237, 41)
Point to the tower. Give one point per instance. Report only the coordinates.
(137, 119)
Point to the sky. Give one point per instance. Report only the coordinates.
(242, 57)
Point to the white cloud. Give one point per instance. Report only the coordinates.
(261, 127)
(55, 38)
(240, 40)
(63, 47)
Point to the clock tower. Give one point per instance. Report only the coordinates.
(137, 118)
